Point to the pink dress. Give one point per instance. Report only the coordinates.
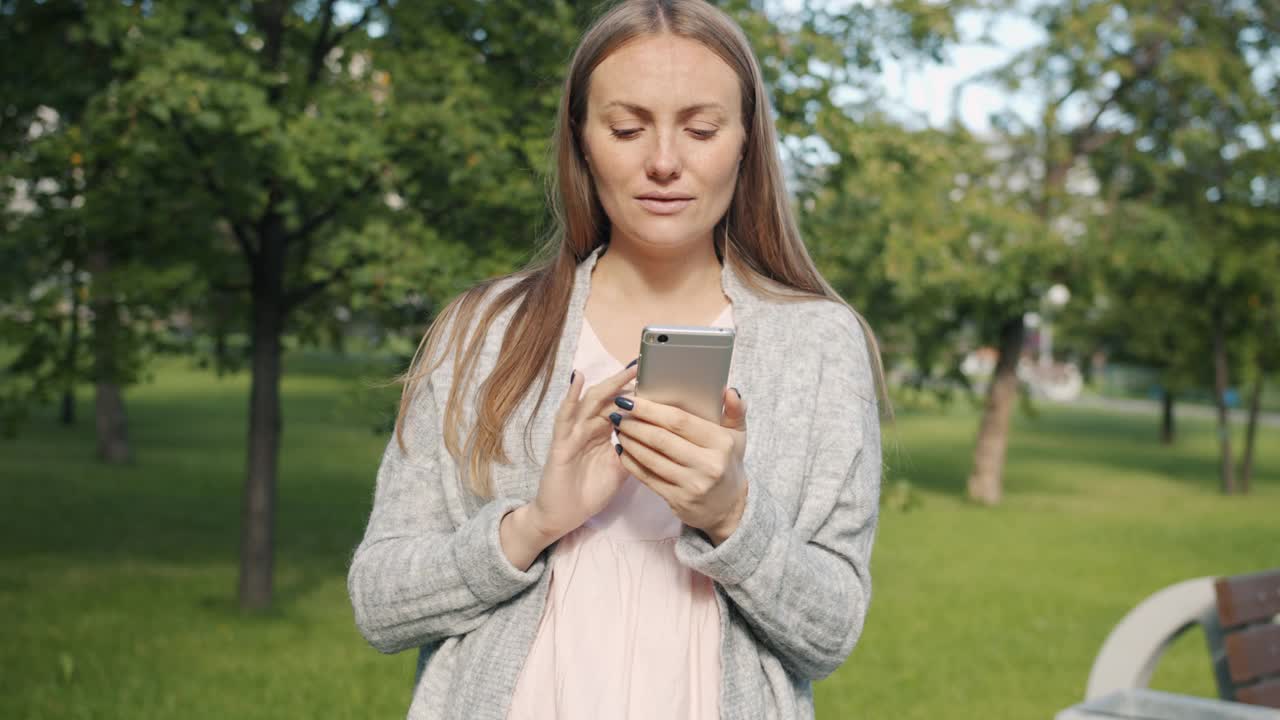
(627, 632)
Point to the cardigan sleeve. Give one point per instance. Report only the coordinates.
(804, 587)
(416, 577)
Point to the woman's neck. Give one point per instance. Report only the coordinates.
(675, 277)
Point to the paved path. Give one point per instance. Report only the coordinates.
(1181, 410)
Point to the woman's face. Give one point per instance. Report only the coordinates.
(663, 117)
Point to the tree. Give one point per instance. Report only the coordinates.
(76, 218)
(909, 225)
(1146, 266)
(860, 179)
(1199, 150)
(285, 150)
(342, 157)
(1111, 72)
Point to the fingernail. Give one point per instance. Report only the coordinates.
(618, 447)
(736, 390)
(572, 375)
(615, 418)
(624, 403)
(633, 362)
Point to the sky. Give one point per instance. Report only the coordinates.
(926, 90)
(920, 92)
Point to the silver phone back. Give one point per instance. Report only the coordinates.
(689, 370)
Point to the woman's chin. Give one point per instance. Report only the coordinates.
(664, 235)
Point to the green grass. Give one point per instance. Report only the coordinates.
(117, 585)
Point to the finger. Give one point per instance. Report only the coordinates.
(673, 447)
(600, 395)
(657, 464)
(685, 424)
(735, 410)
(569, 404)
(596, 429)
(659, 486)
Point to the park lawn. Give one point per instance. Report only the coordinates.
(117, 585)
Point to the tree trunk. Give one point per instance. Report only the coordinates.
(1220, 397)
(1251, 430)
(1167, 428)
(109, 415)
(986, 481)
(257, 544)
(69, 360)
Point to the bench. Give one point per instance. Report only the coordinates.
(1240, 617)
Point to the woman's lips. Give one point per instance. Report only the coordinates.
(664, 207)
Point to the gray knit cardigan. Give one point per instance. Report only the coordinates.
(792, 583)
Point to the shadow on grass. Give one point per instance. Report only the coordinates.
(178, 503)
(1131, 444)
(940, 457)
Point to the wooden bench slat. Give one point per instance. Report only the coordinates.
(1266, 694)
(1248, 598)
(1253, 653)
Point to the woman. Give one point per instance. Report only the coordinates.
(689, 569)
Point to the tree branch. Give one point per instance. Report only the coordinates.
(359, 23)
(307, 231)
(321, 46)
(217, 193)
(324, 42)
(270, 218)
(230, 287)
(312, 223)
(299, 295)
(269, 15)
(1086, 140)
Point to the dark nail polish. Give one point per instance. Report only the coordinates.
(572, 375)
(624, 403)
(618, 447)
(615, 418)
(633, 362)
(736, 390)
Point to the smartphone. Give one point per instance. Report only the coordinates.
(686, 366)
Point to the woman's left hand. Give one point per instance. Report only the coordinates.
(692, 463)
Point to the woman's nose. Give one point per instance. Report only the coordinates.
(664, 157)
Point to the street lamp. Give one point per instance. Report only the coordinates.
(1054, 298)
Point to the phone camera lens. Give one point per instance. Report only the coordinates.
(662, 338)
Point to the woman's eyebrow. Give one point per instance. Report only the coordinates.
(683, 112)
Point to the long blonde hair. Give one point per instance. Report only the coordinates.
(759, 227)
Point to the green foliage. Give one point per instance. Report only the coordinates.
(1183, 240)
(917, 229)
(399, 148)
(1147, 187)
(83, 230)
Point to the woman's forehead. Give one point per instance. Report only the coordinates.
(666, 75)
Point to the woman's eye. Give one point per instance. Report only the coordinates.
(629, 133)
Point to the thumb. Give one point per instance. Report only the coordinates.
(735, 410)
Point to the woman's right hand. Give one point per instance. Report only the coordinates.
(583, 472)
